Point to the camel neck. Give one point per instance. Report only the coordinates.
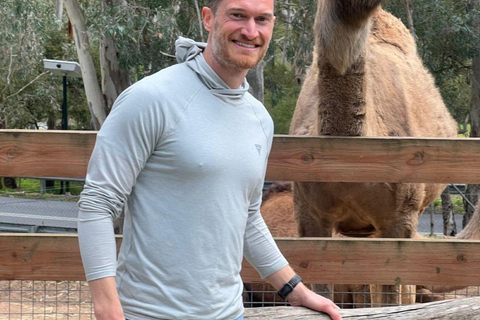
(342, 103)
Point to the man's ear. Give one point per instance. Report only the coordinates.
(207, 17)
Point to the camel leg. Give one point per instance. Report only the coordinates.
(403, 225)
(311, 225)
(310, 222)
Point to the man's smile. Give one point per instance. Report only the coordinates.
(245, 45)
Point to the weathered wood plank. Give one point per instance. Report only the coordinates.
(362, 159)
(41, 257)
(381, 261)
(320, 260)
(26, 153)
(33, 153)
(459, 309)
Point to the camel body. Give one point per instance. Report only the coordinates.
(366, 79)
(386, 91)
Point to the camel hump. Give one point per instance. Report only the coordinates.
(387, 29)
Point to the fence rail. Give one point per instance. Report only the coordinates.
(33, 153)
(355, 261)
(318, 260)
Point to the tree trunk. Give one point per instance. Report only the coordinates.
(449, 226)
(287, 31)
(256, 81)
(96, 103)
(199, 16)
(10, 183)
(409, 14)
(59, 9)
(114, 79)
(472, 191)
(458, 309)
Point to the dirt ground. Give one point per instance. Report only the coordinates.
(39, 300)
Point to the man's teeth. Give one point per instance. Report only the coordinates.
(251, 46)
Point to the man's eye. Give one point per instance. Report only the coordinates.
(263, 19)
(237, 15)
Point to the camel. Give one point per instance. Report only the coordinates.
(278, 212)
(366, 79)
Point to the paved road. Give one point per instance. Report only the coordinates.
(49, 213)
(424, 223)
(62, 214)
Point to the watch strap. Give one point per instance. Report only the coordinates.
(289, 286)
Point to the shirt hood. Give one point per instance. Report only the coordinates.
(191, 52)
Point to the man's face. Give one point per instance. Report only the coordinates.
(240, 32)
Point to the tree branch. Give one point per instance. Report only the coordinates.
(167, 54)
(27, 85)
(9, 71)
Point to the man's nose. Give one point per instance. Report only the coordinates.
(250, 30)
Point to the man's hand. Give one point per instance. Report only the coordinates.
(302, 296)
(106, 303)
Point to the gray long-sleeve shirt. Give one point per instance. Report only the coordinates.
(184, 157)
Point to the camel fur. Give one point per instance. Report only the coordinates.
(278, 212)
(366, 79)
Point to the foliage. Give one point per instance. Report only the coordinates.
(31, 187)
(446, 42)
(29, 95)
(281, 93)
(144, 32)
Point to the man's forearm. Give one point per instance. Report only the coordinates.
(282, 276)
(105, 299)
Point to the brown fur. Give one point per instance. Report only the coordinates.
(472, 229)
(278, 213)
(366, 80)
(277, 210)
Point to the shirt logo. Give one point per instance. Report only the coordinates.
(259, 149)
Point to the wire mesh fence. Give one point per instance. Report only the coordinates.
(39, 300)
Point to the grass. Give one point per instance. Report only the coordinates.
(457, 204)
(30, 188)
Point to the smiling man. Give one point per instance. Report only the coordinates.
(183, 155)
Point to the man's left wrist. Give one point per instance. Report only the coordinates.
(290, 286)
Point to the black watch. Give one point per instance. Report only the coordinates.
(289, 286)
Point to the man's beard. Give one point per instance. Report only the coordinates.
(222, 54)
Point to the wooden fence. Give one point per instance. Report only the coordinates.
(355, 261)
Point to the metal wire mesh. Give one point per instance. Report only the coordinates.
(358, 296)
(38, 300)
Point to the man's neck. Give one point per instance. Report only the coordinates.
(233, 77)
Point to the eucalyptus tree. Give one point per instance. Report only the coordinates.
(132, 38)
(24, 33)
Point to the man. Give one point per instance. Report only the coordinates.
(183, 153)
